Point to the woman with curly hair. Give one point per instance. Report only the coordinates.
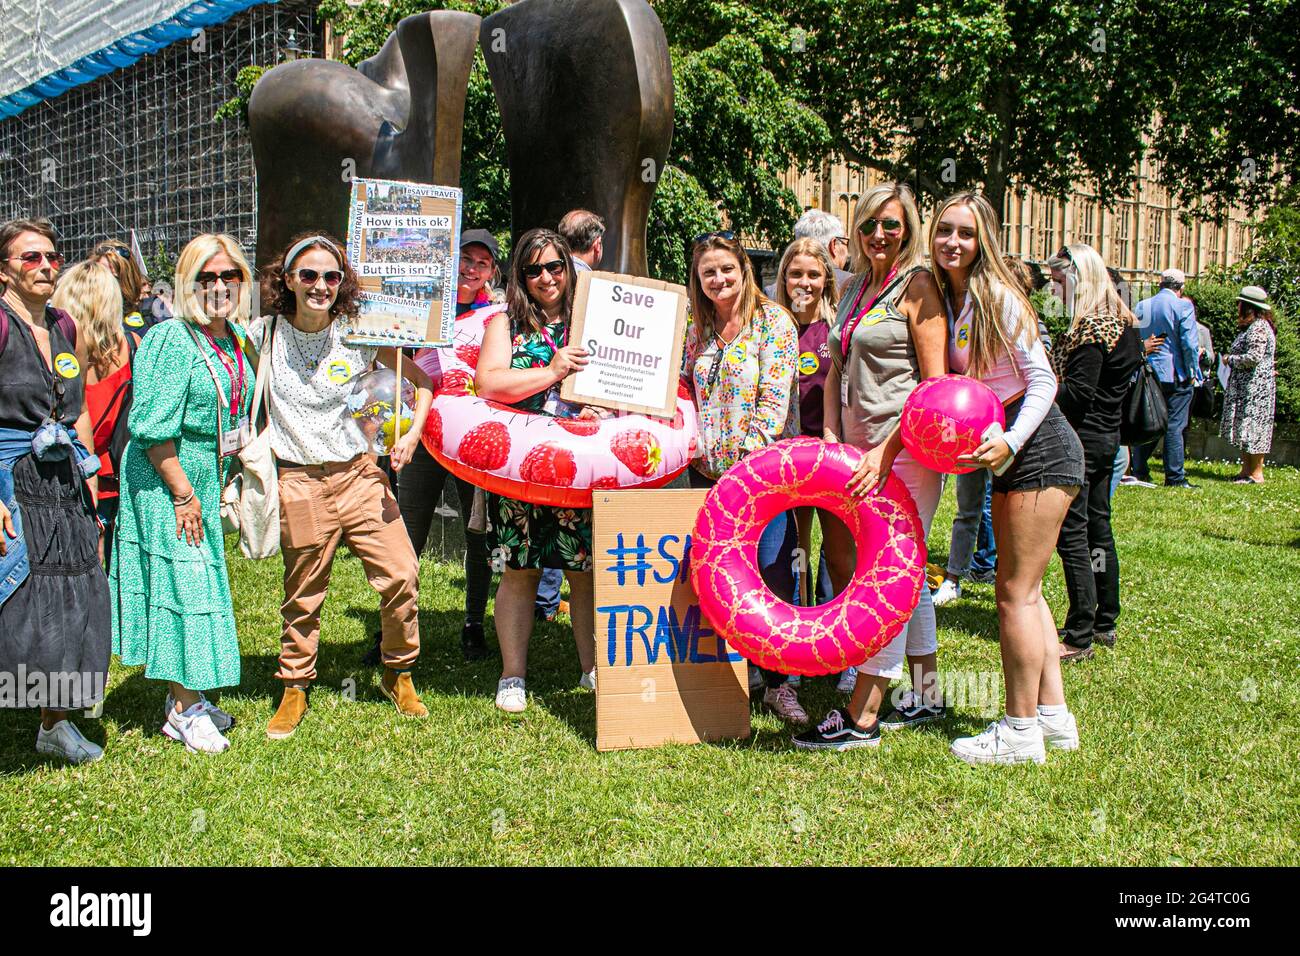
(331, 490)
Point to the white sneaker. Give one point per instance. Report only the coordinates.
(220, 719)
(848, 681)
(1132, 482)
(65, 740)
(1000, 743)
(588, 680)
(1060, 732)
(947, 592)
(511, 696)
(781, 700)
(194, 728)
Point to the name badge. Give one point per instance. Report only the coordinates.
(235, 439)
(844, 388)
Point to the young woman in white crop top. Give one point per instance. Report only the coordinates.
(1037, 466)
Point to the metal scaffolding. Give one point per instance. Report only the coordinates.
(141, 148)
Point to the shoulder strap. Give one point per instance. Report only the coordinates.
(265, 361)
(4, 327)
(66, 325)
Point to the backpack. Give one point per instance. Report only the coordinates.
(126, 392)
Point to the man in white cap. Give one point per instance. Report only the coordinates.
(1171, 318)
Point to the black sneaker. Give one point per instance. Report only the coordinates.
(911, 712)
(372, 657)
(838, 732)
(472, 645)
(1104, 638)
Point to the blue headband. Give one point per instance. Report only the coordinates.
(298, 247)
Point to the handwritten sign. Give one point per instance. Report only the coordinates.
(633, 328)
(403, 244)
(662, 674)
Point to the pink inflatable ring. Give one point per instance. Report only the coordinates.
(766, 630)
(538, 458)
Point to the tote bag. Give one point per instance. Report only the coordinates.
(250, 503)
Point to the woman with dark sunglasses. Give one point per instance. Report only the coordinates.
(54, 618)
(739, 366)
(525, 357)
(332, 491)
(172, 607)
(889, 334)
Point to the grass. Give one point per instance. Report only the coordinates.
(1189, 741)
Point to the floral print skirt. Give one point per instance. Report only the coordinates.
(527, 536)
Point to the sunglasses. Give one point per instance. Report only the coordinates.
(892, 227)
(555, 267)
(32, 260)
(229, 277)
(726, 234)
(309, 276)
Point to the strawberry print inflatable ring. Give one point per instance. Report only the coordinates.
(538, 458)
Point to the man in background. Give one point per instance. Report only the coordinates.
(829, 231)
(584, 231)
(1171, 320)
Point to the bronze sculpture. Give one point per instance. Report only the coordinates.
(586, 97)
(315, 124)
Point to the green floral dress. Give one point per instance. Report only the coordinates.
(529, 536)
(171, 600)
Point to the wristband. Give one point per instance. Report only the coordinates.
(178, 502)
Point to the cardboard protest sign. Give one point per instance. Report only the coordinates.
(662, 675)
(634, 330)
(404, 243)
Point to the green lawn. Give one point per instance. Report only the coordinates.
(1189, 741)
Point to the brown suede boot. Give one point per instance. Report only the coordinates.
(286, 720)
(398, 688)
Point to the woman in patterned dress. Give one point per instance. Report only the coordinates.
(172, 609)
(1252, 389)
(526, 354)
(739, 362)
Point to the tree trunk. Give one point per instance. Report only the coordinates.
(997, 176)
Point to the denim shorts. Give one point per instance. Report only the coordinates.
(1052, 457)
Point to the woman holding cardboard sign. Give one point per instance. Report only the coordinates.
(525, 356)
(739, 361)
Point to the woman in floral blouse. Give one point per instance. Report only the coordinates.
(740, 358)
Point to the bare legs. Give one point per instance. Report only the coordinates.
(1029, 523)
(514, 616)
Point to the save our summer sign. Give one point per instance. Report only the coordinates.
(663, 675)
(633, 327)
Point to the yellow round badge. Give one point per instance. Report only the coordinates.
(735, 356)
(877, 314)
(963, 336)
(339, 372)
(66, 364)
(134, 320)
(808, 363)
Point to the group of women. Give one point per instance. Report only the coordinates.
(833, 363)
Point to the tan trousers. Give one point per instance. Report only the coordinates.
(352, 503)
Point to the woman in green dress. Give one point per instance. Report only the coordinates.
(171, 601)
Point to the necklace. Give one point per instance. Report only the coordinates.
(311, 363)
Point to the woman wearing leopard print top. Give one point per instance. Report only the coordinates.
(1094, 362)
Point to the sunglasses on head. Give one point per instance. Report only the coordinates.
(892, 227)
(228, 276)
(309, 276)
(32, 260)
(555, 267)
(726, 234)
